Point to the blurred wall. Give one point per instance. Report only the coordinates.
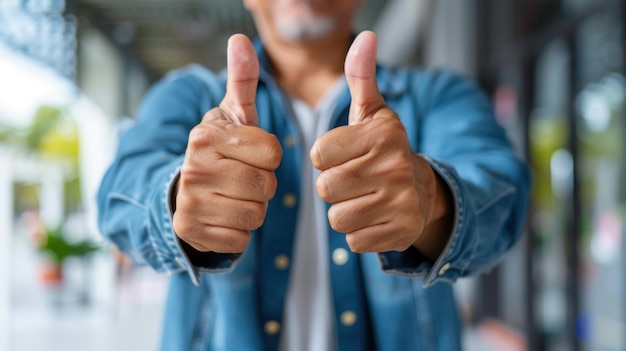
(452, 36)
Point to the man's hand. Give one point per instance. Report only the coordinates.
(384, 196)
(227, 176)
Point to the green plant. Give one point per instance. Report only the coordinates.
(58, 248)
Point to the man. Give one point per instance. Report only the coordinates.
(307, 213)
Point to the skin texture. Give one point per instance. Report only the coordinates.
(383, 195)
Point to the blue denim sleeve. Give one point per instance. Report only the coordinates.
(134, 195)
(490, 185)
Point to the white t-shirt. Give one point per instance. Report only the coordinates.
(308, 323)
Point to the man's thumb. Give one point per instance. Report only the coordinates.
(360, 71)
(242, 81)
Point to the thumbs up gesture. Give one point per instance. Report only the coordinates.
(227, 176)
(382, 193)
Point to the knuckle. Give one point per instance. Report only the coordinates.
(196, 230)
(213, 114)
(409, 196)
(274, 151)
(402, 246)
(404, 232)
(238, 243)
(406, 200)
(199, 136)
(397, 166)
(394, 126)
(239, 246)
(186, 202)
(185, 228)
(271, 184)
(179, 225)
(209, 133)
(182, 217)
(404, 239)
(338, 219)
(231, 241)
(356, 244)
(257, 217)
(402, 163)
(389, 130)
(316, 154)
(190, 172)
(322, 186)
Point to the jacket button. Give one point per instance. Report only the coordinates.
(444, 268)
(348, 318)
(281, 262)
(271, 327)
(290, 141)
(289, 200)
(340, 256)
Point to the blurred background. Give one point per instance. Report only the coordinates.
(72, 73)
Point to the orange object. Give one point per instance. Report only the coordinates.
(51, 273)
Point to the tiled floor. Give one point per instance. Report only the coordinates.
(86, 330)
(123, 316)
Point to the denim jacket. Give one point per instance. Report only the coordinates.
(401, 300)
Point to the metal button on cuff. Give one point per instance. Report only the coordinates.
(271, 327)
(444, 268)
(180, 262)
(281, 262)
(348, 318)
(340, 256)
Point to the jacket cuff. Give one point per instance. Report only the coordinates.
(450, 265)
